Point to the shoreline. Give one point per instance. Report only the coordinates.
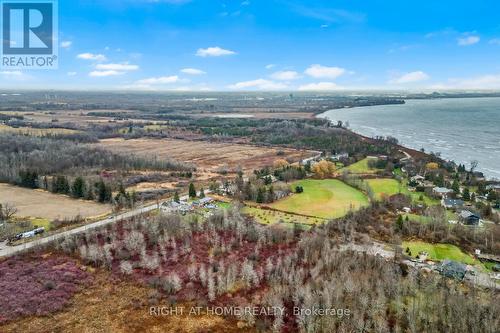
(411, 151)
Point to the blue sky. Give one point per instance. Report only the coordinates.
(272, 45)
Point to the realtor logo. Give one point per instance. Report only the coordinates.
(29, 34)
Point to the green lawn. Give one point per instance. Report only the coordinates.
(223, 205)
(361, 167)
(39, 222)
(387, 187)
(264, 216)
(439, 252)
(326, 199)
(417, 218)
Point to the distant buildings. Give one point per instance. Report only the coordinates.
(176, 207)
(469, 218)
(441, 192)
(185, 207)
(453, 204)
(452, 269)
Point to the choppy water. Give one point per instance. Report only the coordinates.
(461, 129)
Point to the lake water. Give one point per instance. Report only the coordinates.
(461, 129)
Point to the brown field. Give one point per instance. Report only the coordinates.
(258, 115)
(35, 131)
(42, 204)
(76, 117)
(207, 155)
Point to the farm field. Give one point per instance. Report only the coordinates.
(326, 199)
(264, 216)
(387, 187)
(206, 155)
(360, 167)
(35, 131)
(70, 116)
(439, 251)
(45, 205)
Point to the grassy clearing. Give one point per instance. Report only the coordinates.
(440, 252)
(48, 206)
(35, 131)
(39, 223)
(417, 218)
(264, 216)
(361, 167)
(325, 199)
(223, 205)
(387, 187)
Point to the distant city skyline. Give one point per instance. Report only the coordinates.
(283, 45)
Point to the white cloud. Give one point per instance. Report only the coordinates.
(214, 51)
(320, 86)
(91, 56)
(270, 66)
(285, 75)
(72, 73)
(411, 77)
(11, 73)
(192, 71)
(125, 67)
(159, 80)
(105, 73)
(66, 44)
(468, 40)
(319, 72)
(259, 84)
(495, 41)
(14, 75)
(488, 81)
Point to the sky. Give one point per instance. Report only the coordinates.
(281, 45)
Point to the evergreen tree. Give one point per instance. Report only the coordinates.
(90, 194)
(202, 193)
(61, 185)
(260, 195)
(103, 191)
(466, 194)
(399, 223)
(28, 178)
(456, 187)
(270, 195)
(78, 188)
(176, 197)
(192, 191)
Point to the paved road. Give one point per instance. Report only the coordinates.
(6, 250)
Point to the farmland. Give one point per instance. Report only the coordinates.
(323, 199)
(35, 131)
(206, 155)
(45, 205)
